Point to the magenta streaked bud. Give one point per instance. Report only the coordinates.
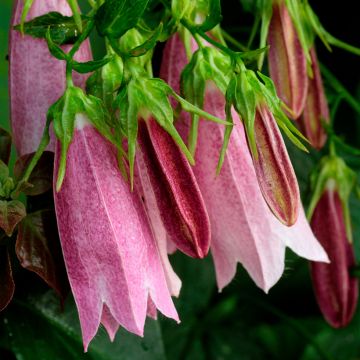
(274, 170)
(287, 60)
(110, 254)
(336, 291)
(316, 108)
(177, 194)
(36, 78)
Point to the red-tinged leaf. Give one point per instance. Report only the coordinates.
(316, 107)
(7, 285)
(178, 196)
(11, 213)
(336, 291)
(287, 60)
(40, 179)
(274, 170)
(38, 249)
(5, 146)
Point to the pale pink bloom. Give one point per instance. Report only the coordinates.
(243, 227)
(37, 79)
(111, 257)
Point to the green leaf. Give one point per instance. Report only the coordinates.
(54, 49)
(35, 328)
(38, 249)
(214, 16)
(63, 29)
(11, 213)
(115, 17)
(89, 66)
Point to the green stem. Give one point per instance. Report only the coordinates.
(76, 14)
(233, 41)
(84, 35)
(342, 45)
(69, 80)
(26, 8)
(337, 86)
(254, 31)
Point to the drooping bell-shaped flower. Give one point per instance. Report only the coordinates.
(287, 60)
(335, 289)
(243, 227)
(316, 108)
(111, 257)
(37, 79)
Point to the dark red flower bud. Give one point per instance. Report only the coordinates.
(336, 291)
(287, 60)
(177, 194)
(275, 173)
(316, 108)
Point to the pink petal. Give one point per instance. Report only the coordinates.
(110, 255)
(37, 79)
(143, 186)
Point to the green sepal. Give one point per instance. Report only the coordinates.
(89, 66)
(25, 11)
(64, 112)
(106, 81)
(245, 104)
(149, 44)
(333, 170)
(54, 49)
(207, 64)
(229, 98)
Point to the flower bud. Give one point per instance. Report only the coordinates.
(275, 173)
(174, 186)
(316, 108)
(336, 291)
(287, 60)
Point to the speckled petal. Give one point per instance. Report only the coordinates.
(110, 254)
(36, 79)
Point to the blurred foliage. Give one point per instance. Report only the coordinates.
(241, 322)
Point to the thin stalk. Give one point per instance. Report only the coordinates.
(337, 86)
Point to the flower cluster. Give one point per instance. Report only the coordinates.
(193, 160)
